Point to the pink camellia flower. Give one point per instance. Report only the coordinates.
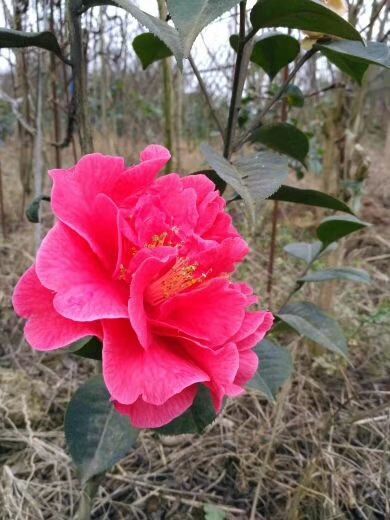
(145, 265)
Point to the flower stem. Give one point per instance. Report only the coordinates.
(87, 495)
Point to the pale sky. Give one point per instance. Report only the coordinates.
(211, 41)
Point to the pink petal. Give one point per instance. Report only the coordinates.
(248, 367)
(177, 203)
(253, 338)
(143, 276)
(221, 365)
(146, 415)
(157, 153)
(85, 291)
(156, 374)
(45, 328)
(222, 258)
(213, 312)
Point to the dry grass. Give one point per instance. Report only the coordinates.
(321, 453)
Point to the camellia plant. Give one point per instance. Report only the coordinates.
(138, 271)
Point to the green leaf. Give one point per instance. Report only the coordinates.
(334, 228)
(213, 512)
(340, 273)
(201, 414)
(9, 38)
(149, 49)
(304, 250)
(97, 435)
(159, 28)
(275, 367)
(283, 138)
(191, 17)
(294, 96)
(310, 321)
(254, 178)
(353, 58)
(89, 347)
(310, 198)
(272, 51)
(32, 212)
(307, 15)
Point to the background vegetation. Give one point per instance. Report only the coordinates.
(322, 451)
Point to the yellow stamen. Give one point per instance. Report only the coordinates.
(177, 279)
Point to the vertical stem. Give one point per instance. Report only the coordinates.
(271, 260)
(103, 74)
(56, 119)
(178, 119)
(38, 145)
(168, 93)
(87, 495)
(2, 210)
(78, 56)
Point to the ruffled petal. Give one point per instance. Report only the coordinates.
(85, 291)
(45, 328)
(146, 415)
(213, 312)
(156, 374)
(249, 363)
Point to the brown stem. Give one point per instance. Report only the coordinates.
(78, 56)
(168, 94)
(56, 118)
(271, 260)
(2, 209)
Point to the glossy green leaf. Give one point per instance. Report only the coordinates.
(294, 96)
(353, 58)
(275, 367)
(339, 273)
(97, 435)
(201, 414)
(89, 347)
(283, 138)
(169, 35)
(254, 177)
(307, 15)
(191, 17)
(310, 198)
(272, 51)
(32, 212)
(9, 38)
(310, 321)
(149, 49)
(334, 228)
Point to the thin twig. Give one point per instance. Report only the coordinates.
(374, 16)
(206, 95)
(259, 119)
(325, 89)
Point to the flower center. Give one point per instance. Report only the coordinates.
(181, 276)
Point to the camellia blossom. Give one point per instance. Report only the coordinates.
(144, 264)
